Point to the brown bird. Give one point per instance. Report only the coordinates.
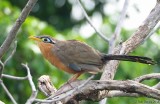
(76, 57)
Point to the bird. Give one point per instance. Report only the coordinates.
(76, 57)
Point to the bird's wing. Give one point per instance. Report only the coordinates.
(78, 54)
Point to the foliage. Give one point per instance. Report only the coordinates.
(56, 20)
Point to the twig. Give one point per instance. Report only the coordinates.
(89, 21)
(147, 77)
(1, 68)
(12, 53)
(118, 28)
(34, 91)
(13, 32)
(13, 77)
(8, 93)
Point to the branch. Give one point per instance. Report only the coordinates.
(138, 79)
(12, 53)
(153, 31)
(1, 68)
(10, 56)
(129, 88)
(125, 86)
(66, 90)
(8, 93)
(13, 32)
(148, 77)
(45, 85)
(121, 94)
(116, 34)
(134, 41)
(143, 31)
(34, 91)
(118, 29)
(13, 77)
(91, 90)
(89, 21)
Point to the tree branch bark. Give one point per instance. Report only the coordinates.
(13, 32)
(91, 91)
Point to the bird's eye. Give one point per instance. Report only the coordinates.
(47, 40)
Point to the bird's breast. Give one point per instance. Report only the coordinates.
(53, 59)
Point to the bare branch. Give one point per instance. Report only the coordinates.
(1, 68)
(118, 28)
(89, 21)
(148, 77)
(91, 90)
(71, 91)
(12, 53)
(8, 93)
(138, 79)
(13, 32)
(63, 91)
(34, 91)
(45, 85)
(117, 88)
(134, 41)
(126, 86)
(116, 34)
(43, 101)
(124, 94)
(121, 94)
(13, 77)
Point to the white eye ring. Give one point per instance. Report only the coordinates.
(46, 40)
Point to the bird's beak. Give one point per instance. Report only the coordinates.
(34, 38)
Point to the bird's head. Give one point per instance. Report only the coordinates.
(45, 43)
(43, 39)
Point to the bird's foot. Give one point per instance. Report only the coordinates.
(69, 83)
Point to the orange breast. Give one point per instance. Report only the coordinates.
(52, 58)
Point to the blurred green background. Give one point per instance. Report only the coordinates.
(63, 19)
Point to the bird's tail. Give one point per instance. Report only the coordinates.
(140, 59)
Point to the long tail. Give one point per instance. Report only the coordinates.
(140, 59)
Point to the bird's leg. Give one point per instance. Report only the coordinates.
(73, 78)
